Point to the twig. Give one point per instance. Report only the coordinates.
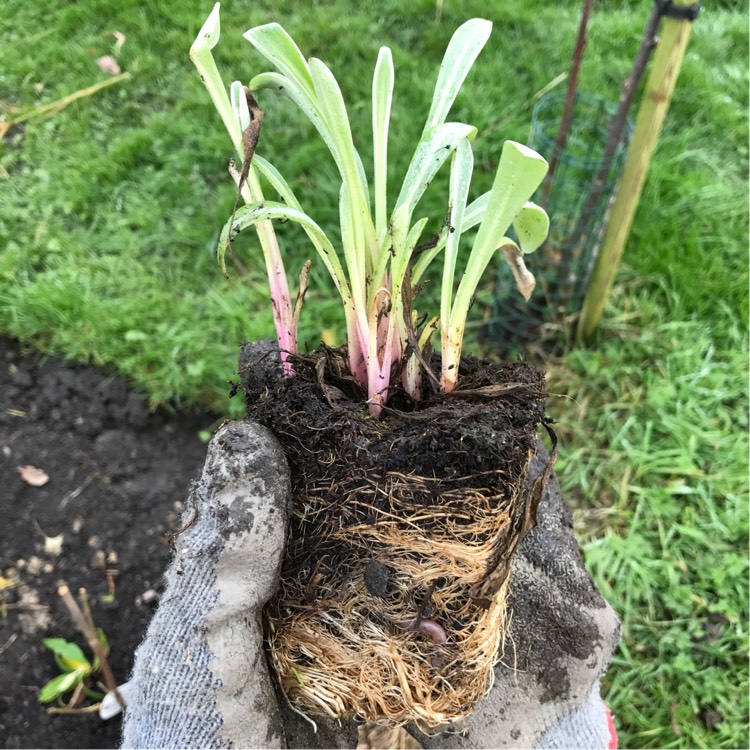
(8, 643)
(84, 597)
(617, 125)
(562, 133)
(85, 625)
(73, 494)
(85, 710)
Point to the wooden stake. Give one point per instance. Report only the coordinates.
(670, 51)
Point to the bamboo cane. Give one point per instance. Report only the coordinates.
(670, 51)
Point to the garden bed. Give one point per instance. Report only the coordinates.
(117, 480)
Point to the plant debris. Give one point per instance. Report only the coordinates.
(32, 475)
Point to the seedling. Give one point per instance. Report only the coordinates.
(378, 267)
(77, 673)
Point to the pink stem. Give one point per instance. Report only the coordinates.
(283, 315)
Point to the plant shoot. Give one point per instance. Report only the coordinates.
(376, 269)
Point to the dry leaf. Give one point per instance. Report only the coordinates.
(108, 64)
(119, 40)
(8, 583)
(525, 280)
(384, 737)
(33, 476)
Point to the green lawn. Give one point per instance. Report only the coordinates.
(110, 210)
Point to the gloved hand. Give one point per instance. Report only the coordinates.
(201, 678)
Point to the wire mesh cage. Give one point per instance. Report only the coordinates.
(563, 265)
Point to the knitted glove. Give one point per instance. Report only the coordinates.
(201, 678)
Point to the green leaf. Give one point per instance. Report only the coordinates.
(60, 685)
(519, 174)
(473, 215)
(532, 227)
(275, 44)
(238, 99)
(70, 656)
(433, 150)
(475, 211)
(331, 105)
(101, 636)
(458, 192)
(278, 183)
(208, 36)
(252, 213)
(351, 240)
(305, 101)
(463, 49)
(382, 95)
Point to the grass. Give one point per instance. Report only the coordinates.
(109, 212)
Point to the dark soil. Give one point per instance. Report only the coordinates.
(117, 480)
(330, 441)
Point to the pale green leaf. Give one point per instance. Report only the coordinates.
(238, 98)
(519, 174)
(304, 100)
(433, 150)
(473, 215)
(309, 106)
(464, 47)
(252, 213)
(351, 240)
(462, 167)
(273, 42)
(332, 108)
(60, 685)
(532, 227)
(278, 183)
(475, 211)
(382, 95)
(209, 34)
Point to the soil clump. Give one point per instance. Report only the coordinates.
(392, 599)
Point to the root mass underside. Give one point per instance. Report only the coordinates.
(433, 496)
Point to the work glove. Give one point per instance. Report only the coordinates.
(201, 677)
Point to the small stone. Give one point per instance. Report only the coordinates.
(35, 565)
(77, 525)
(53, 545)
(149, 596)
